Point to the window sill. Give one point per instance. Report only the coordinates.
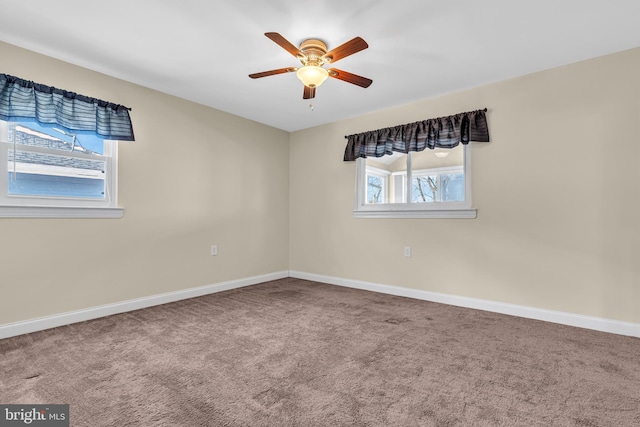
(440, 213)
(59, 212)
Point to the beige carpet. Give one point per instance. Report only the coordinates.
(299, 353)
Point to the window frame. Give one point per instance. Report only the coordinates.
(35, 206)
(461, 209)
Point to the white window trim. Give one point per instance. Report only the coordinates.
(59, 212)
(413, 210)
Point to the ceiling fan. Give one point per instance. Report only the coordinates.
(313, 54)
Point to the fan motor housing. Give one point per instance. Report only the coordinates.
(314, 50)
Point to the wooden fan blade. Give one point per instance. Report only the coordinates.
(349, 48)
(309, 92)
(285, 44)
(272, 72)
(350, 78)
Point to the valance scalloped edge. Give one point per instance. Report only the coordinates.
(443, 132)
(24, 99)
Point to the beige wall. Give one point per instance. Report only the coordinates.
(194, 176)
(557, 193)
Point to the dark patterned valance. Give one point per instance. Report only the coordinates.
(23, 99)
(443, 132)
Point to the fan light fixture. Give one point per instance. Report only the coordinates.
(313, 54)
(312, 76)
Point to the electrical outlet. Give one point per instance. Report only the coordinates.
(214, 250)
(407, 251)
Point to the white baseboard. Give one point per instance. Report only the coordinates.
(42, 323)
(570, 319)
(581, 321)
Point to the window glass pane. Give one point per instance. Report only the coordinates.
(52, 162)
(438, 175)
(36, 174)
(424, 189)
(389, 169)
(32, 133)
(375, 186)
(452, 187)
(437, 158)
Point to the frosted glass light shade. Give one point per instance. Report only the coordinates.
(312, 76)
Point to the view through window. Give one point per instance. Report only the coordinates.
(434, 176)
(47, 165)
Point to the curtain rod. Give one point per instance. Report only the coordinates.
(443, 117)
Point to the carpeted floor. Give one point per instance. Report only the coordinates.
(299, 353)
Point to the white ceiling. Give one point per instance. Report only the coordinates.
(204, 50)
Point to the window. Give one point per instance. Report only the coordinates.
(430, 183)
(46, 166)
